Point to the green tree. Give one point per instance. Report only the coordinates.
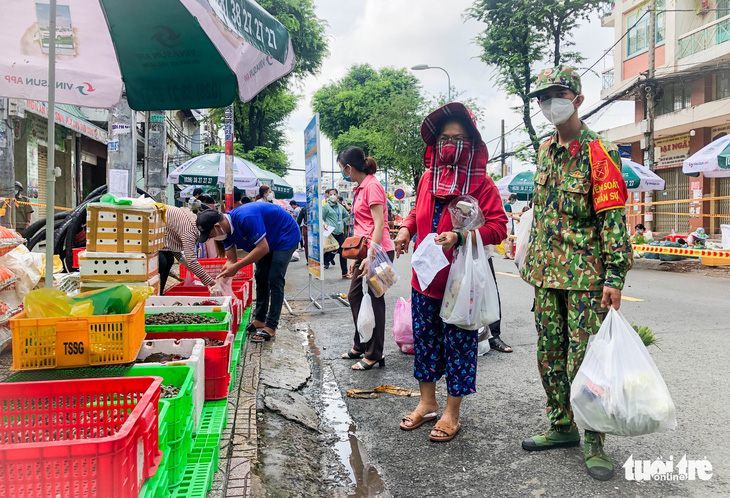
(379, 111)
(522, 36)
(259, 123)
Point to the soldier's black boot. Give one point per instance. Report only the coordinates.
(558, 436)
(597, 460)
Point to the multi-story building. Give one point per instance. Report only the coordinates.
(692, 91)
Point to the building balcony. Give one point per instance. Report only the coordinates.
(607, 79)
(704, 43)
(608, 17)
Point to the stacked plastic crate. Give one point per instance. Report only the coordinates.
(122, 244)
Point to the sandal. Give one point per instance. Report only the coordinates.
(351, 356)
(442, 426)
(265, 336)
(363, 365)
(252, 329)
(498, 344)
(416, 420)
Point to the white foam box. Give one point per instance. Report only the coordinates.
(194, 351)
(154, 282)
(118, 266)
(124, 228)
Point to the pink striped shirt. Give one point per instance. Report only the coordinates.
(181, 235)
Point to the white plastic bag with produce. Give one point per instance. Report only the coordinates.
(618, 388)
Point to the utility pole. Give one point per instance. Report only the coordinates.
(229, 157)
(51, 169)
(122, 150)
(7, 163)
(504, 161)
(155, 155)
(650, 89)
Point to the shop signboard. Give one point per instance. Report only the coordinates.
(672, 151)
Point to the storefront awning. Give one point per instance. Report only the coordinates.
(67, 120)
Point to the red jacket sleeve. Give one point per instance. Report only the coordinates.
(494, 230)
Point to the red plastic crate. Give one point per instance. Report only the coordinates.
(88, 437)
(217, 359)
(188, 290)
(76, 256)
(243, 291)
(214, 267)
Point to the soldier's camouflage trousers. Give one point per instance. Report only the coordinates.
(564, 320)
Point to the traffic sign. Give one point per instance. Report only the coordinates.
(400, 193)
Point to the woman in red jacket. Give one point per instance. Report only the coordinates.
(456, 164)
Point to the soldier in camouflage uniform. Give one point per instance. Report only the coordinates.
(578, 255)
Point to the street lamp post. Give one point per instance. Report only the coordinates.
(421, 67)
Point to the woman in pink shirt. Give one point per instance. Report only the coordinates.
(369, 218)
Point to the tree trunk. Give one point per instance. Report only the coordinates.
(526, 116)
(556, 39)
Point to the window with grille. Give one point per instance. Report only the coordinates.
(636, 39)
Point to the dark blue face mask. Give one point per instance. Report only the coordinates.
(347, 178)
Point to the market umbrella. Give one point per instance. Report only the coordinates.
(712, 160)
(210, 169)
(521, 183)
(639, 178)
(166, 54)
(279, 186)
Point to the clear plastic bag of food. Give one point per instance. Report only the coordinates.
(381, 274)
(618, 389)
(466, 213)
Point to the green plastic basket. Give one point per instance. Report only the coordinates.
(179, 452)
(156, 486)
(214, 417)
(181, 406)
(246, 317)
(198, 476)
(222, 316)
(164, 409)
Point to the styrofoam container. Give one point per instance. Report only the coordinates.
(117, 266)
(194, 350)
(725, 236)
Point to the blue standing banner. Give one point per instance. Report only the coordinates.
(313, 177)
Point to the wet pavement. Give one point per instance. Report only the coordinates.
(358, 449)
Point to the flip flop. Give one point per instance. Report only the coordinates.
(252, 329)
(442, 426)
(265, 336)
(417, 420)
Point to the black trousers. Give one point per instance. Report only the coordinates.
(329, 257)
(166, 262)
(270, 280)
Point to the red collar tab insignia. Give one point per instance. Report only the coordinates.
(574, 147)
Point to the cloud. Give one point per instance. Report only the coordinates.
(403, 33)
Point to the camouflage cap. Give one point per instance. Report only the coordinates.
(562, 76)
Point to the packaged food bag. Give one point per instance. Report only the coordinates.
(618, 388)
(381, 274)
(403, 325)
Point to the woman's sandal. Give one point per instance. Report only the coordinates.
(363, 365)
(351, 356)
(447, 429)
(416, 420)
(265, 336)
(252, 329)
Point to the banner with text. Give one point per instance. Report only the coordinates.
(313, 176)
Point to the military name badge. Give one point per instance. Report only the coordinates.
(609, 188)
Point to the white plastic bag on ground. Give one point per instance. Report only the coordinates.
(366, 317)
(464, 294)
(618, 388)
(523, 238)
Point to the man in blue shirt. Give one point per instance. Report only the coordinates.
(270, 235)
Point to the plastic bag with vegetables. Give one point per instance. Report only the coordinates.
(618, 388)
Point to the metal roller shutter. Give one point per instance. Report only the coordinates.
(677, 188)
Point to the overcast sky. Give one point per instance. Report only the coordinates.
(403, 33)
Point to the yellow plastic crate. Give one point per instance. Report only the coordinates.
(67, 342)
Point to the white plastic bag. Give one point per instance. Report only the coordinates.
(618, 388)
(366, 317)
(523, 237)
(222, 287)
(464, 294)
(490, 304)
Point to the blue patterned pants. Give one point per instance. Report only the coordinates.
(442, 348)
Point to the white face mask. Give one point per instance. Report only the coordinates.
(220, 238)
(270, 196)
(332, 199)
(558, 111)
